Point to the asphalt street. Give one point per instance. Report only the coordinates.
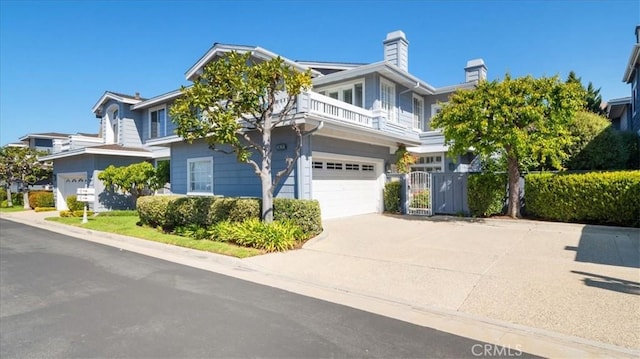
(63, 297)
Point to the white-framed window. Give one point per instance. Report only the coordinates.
(112, 124)
(350, 92)
(433, 162)
(200, 175)
(388, 99)
(418, 112)
(158, 121)
(435, 108)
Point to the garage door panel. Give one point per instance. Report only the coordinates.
(343, 192)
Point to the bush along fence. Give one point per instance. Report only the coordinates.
(235, 220)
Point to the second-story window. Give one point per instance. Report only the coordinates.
(418, 113)
(388, 99)
(158, 122)
(351, 93)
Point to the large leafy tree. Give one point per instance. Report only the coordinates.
(20, 165)
(239, 102)
(524, 120)
(137, 179)
(592, 97)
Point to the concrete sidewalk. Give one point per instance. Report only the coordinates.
(558, 290)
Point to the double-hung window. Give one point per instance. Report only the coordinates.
(418, 113)
(200, 175)
(388, 99)
(158, 122)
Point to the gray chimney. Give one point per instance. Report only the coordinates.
(396, 49)
(475, 71)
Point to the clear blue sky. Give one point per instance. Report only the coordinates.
(58, 57)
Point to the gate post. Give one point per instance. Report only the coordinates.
(404, 194)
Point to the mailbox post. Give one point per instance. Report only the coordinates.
(86, 195)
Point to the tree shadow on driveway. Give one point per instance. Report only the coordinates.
(608, 245)
(610, 283)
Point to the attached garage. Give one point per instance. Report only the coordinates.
(346, 185)
(67, 185)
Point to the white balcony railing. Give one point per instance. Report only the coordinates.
(338, 110)
(75, 142)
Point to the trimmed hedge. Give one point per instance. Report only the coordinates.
(75, 213)
(118, 213)
(73, 204)
(170, 212)
(392, 197)
(41, 199)
(301, 212)
(44, 209)
(486, 193)
(272, 237)
(602, 198)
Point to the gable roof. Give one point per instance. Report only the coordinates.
(634, 60)
(157, 100)
(110, 95)
(219, 49)
(113, 149)
(47, 135)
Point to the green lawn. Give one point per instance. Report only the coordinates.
(15, 208)
(127, 225)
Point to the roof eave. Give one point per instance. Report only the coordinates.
(633, 61)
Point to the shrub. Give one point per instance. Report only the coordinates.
(486, 193)
(73, 204)
(153, 210)
(420, 200)
(392, 197)
(595, 144)
(234, 210)
(3, 194)
(194, 231)
(44, 209)
(189, 210)
(303, 213)
(631, 142)
(118, 213)
(602, 198)
(273, 237)
(75, 213)
(40, 199)
(17, 198)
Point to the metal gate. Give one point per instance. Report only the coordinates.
(419, 194)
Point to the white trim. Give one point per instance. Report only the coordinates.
(166, 115)
(631, 64)
(158, 99)
(336, 156)
(340, 87)
(452, 88)
(199, 159)
(421, 114)
(392, 112)
(108, 95)
(96, 151)
(111, 135)
(434, 155)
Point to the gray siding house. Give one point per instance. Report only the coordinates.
(78, 159)
(624, 113)
(364, 112)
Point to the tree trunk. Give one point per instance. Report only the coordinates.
(265, 176)
(25, 198)
(9, 199)
(514, 187)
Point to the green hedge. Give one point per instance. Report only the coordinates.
(170, 212)
(486, 193)
(41, 199)
(73, 204)
(16, 198)
(602, 198)
(118, 213)
(392, 197)
(75, 213)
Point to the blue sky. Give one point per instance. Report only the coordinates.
(58, 57)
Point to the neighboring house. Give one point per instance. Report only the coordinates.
(123, 131)
(619, 113)
(632, 77)
(365, 112)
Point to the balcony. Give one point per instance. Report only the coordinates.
(75, 142)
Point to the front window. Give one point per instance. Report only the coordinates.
(114, 125)
(158, 122)
(418, 113)
(351, 93)
(200, 175)
(388, 99)
(429, 163)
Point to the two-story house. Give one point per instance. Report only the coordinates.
(624, 113)
(363, 112)
(78, 159)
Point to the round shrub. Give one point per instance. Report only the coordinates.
(40, 199)
(392, 197)
(73, 204)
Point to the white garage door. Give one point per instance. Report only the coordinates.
(347, 187)
(68, 184)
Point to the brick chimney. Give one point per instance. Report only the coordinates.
(475, 71)
(396, 49)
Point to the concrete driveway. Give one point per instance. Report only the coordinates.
(577, 280)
